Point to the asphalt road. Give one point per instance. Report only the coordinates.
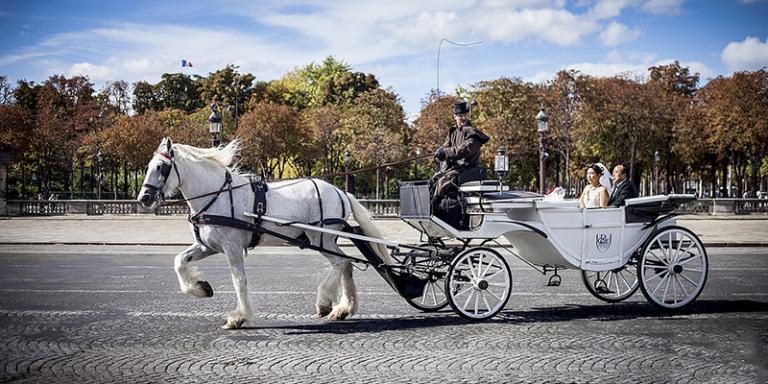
(96, 314)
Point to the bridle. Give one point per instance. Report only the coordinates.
(165, 171)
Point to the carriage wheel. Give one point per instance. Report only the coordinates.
(478, 284)
(433, 296)
(673, 268)
(612, 286)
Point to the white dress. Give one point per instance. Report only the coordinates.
(591, 196)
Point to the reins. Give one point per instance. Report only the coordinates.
(296, 178)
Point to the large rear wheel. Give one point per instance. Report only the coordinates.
(673, 268)
(478, 284)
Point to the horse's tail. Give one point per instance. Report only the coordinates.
(362, 216)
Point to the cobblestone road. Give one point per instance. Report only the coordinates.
(103, 314)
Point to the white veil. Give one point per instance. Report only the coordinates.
(606, 179)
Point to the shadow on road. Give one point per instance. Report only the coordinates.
(626, 311)
(606, 312)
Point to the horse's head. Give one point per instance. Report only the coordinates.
(158, 183)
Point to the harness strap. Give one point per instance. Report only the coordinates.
(196, 218)
(320, 200)
(341, 199)
(260, 189)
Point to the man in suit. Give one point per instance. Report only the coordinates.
(623, 189)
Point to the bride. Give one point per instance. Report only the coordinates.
(600, 185)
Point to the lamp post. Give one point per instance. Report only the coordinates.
(415, 165)
(236, 84)
(99, 158)
(542, 121)
(656, 157)
(214, 126)
(347, 157)
(439, 46)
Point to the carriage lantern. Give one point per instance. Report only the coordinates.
(214, 125)
(501, 167)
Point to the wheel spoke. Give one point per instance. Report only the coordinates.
(663, 279)
(480, 266)
(677, 279)
(680, 256)
(695, 284)
(494, 296)
(469, 297)
(688, 260)
(666, 289)
(663, 261)
(488, 268)
(477, 302)
(655, 276)
(494, 274)
(486, 302)
(661, 247)
(623, 278)
(677, 250)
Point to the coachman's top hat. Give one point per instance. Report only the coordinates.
(460, 107)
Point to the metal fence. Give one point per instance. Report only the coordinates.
(379, 208)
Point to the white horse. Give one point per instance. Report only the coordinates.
(197, 171)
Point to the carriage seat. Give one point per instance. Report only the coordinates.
(483, 186)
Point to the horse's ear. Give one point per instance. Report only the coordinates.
(168, 144)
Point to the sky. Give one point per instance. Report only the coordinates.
(399, 41)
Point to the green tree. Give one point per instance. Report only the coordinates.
(376, 126)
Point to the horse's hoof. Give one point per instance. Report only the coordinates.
(338, 315)
(235, 325)
(324, 311)
(205, 287)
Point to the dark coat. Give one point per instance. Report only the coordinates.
(622, 192)
(462, 152)
(462, 147)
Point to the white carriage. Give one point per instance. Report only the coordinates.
(618, 249)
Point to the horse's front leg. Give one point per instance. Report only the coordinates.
(236, 259)
(189, 278)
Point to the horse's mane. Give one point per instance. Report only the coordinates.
(223, 156)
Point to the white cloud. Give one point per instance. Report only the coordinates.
(663, 7)
(96, 73)
(750, 54)
(634, 64)
(617, 34)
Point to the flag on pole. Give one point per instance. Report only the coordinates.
(185, 63)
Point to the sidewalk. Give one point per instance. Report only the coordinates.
(731, 231)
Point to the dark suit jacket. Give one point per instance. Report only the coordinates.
(622, 192)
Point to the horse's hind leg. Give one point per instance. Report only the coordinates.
(189, 278)
(328, 291)
(235, 257)
(344, 300)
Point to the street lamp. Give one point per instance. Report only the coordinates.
(501, 167)
(99, 158)
(657, 157)
(347, 157)
(214, 126)
(542, 121)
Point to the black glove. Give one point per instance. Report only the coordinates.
(440, 154)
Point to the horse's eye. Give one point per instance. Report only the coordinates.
(158, 167)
